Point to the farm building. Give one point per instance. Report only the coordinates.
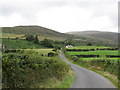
(69, 46)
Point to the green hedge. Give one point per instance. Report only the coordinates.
(29, 69)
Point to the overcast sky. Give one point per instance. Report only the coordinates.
(61, 15)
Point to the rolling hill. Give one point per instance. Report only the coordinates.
(36, 30)
(80, 37)
(98, 36)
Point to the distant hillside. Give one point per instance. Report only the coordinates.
(36, 30)
(78, 37)
(109, 37)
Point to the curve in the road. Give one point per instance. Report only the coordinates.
(86, 78)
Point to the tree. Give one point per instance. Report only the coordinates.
(47, 43)
(36, 40)
(30, 37)
(70, 42)
(89, 44)
(56, 48)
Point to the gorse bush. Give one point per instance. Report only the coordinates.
(29, 69)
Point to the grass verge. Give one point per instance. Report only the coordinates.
(67, 82)
(55, 83)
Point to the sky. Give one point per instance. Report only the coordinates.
(61, 15)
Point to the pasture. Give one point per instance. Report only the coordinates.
(41, 51)
(91, 51)
(101, 53)
(88, 47)
(19, 43)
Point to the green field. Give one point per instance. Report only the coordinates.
(41, 51)
(99, 52)
(19, 43)
(88, 47)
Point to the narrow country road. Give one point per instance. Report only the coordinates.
(86, 78)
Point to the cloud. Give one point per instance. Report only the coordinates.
(61, 15)
(73, 19)
(64, 18)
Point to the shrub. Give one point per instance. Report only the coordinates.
(74, 58)
(30, 69)
(47, 43)
(32, 38)
(52, 54)
(89, 44)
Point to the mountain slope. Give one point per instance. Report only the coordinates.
(36, 30)
(109, 37)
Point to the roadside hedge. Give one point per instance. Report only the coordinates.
(29, 69)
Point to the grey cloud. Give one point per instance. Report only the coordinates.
(25, 9)
(28, 8)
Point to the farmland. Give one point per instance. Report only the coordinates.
(101, 52)
(43, 51)
(88, 47)
(19, 43)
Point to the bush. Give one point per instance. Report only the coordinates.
(47, 43)
(74, 58)
(52, 54)
(30, 69)
(56, 48)
(32, 38)
(89, 44)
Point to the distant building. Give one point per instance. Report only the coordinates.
(2, 46)
(69, 46)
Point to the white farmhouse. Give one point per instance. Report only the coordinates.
(69, 46)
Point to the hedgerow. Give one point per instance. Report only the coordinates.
(27, 69)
